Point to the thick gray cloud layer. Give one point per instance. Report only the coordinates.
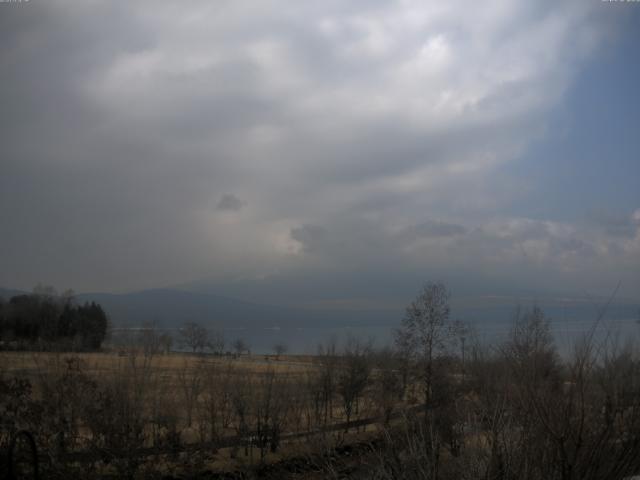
(154, 143)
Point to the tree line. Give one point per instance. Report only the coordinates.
(45, 320)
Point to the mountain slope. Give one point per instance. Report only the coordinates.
(171, 308)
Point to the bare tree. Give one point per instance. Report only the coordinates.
(423, 337)
(270, 406)
(280, 349)
(327, 379)
(580, 416)
(190, 380)
(386, 382)
(215, 407)
(425, 331)
(242, 406)
(194, 336)
(405, 363)
(313, 384)
(240, 346)
(216, 342)
(353, 376)
(149, 339)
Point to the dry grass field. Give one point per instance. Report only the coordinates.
(181, 412)
(34, 363)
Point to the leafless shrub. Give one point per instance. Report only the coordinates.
(271, 408)
(353, 376)
(216, 405)
(190, 381)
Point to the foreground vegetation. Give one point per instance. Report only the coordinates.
(439, 405)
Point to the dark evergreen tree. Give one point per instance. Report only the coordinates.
(51, 322)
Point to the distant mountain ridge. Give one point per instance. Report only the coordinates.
(7, 293)
(170, 308)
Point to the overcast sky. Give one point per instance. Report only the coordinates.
(336, 151)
